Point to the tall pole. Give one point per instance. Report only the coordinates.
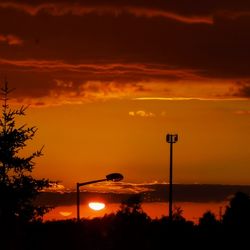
(78, 202)
(171, 183)
(171, 139)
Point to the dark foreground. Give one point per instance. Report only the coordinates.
(112, 233)
(131, 228)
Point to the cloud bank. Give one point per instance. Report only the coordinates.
(140, 43)
(154, 192)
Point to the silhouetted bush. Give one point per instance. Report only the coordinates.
(208, 220)
(237, 214)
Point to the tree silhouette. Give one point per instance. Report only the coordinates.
(177, 215)
(238, 212)
(208, 220)
(132, 205)
(131, 210)
(18, 188)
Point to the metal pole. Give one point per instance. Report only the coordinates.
(171, 138)
(78, 202)
(171, 183)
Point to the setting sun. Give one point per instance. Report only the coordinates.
(97, 206)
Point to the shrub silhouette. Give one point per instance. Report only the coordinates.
(238, 211)
(208, 220)
(131, 208)
(178, 215)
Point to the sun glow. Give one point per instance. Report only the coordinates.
(97, 206)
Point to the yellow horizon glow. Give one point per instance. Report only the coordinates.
(65, 213)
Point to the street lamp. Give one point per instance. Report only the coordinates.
(110, 177)
(171, 138)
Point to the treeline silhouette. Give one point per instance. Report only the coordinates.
(132, 228)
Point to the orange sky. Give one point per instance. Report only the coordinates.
(87, 141)
(107, 79)
(191, 211)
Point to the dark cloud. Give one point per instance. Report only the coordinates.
(185, 7)
(150, 193)
(50, 78)
(120, 41)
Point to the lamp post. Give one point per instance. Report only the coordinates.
(171, 138)
(110, 177)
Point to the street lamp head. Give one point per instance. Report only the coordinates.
(114, 177)
(172, 138)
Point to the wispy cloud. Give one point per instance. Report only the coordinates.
(223, 98)
(141, 113)
(10, 39)
(60, 9)
(155, 98)
(55, 187)
(68, 92)
(143, 12)
(107, 68)
(242, 112)
(120, 187)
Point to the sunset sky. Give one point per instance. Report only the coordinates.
(106, 80)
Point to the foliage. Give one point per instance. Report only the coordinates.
(238, 211)
(132, 206)
(18, 188)
(178, 214)
(208, 220)
(131, 210)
